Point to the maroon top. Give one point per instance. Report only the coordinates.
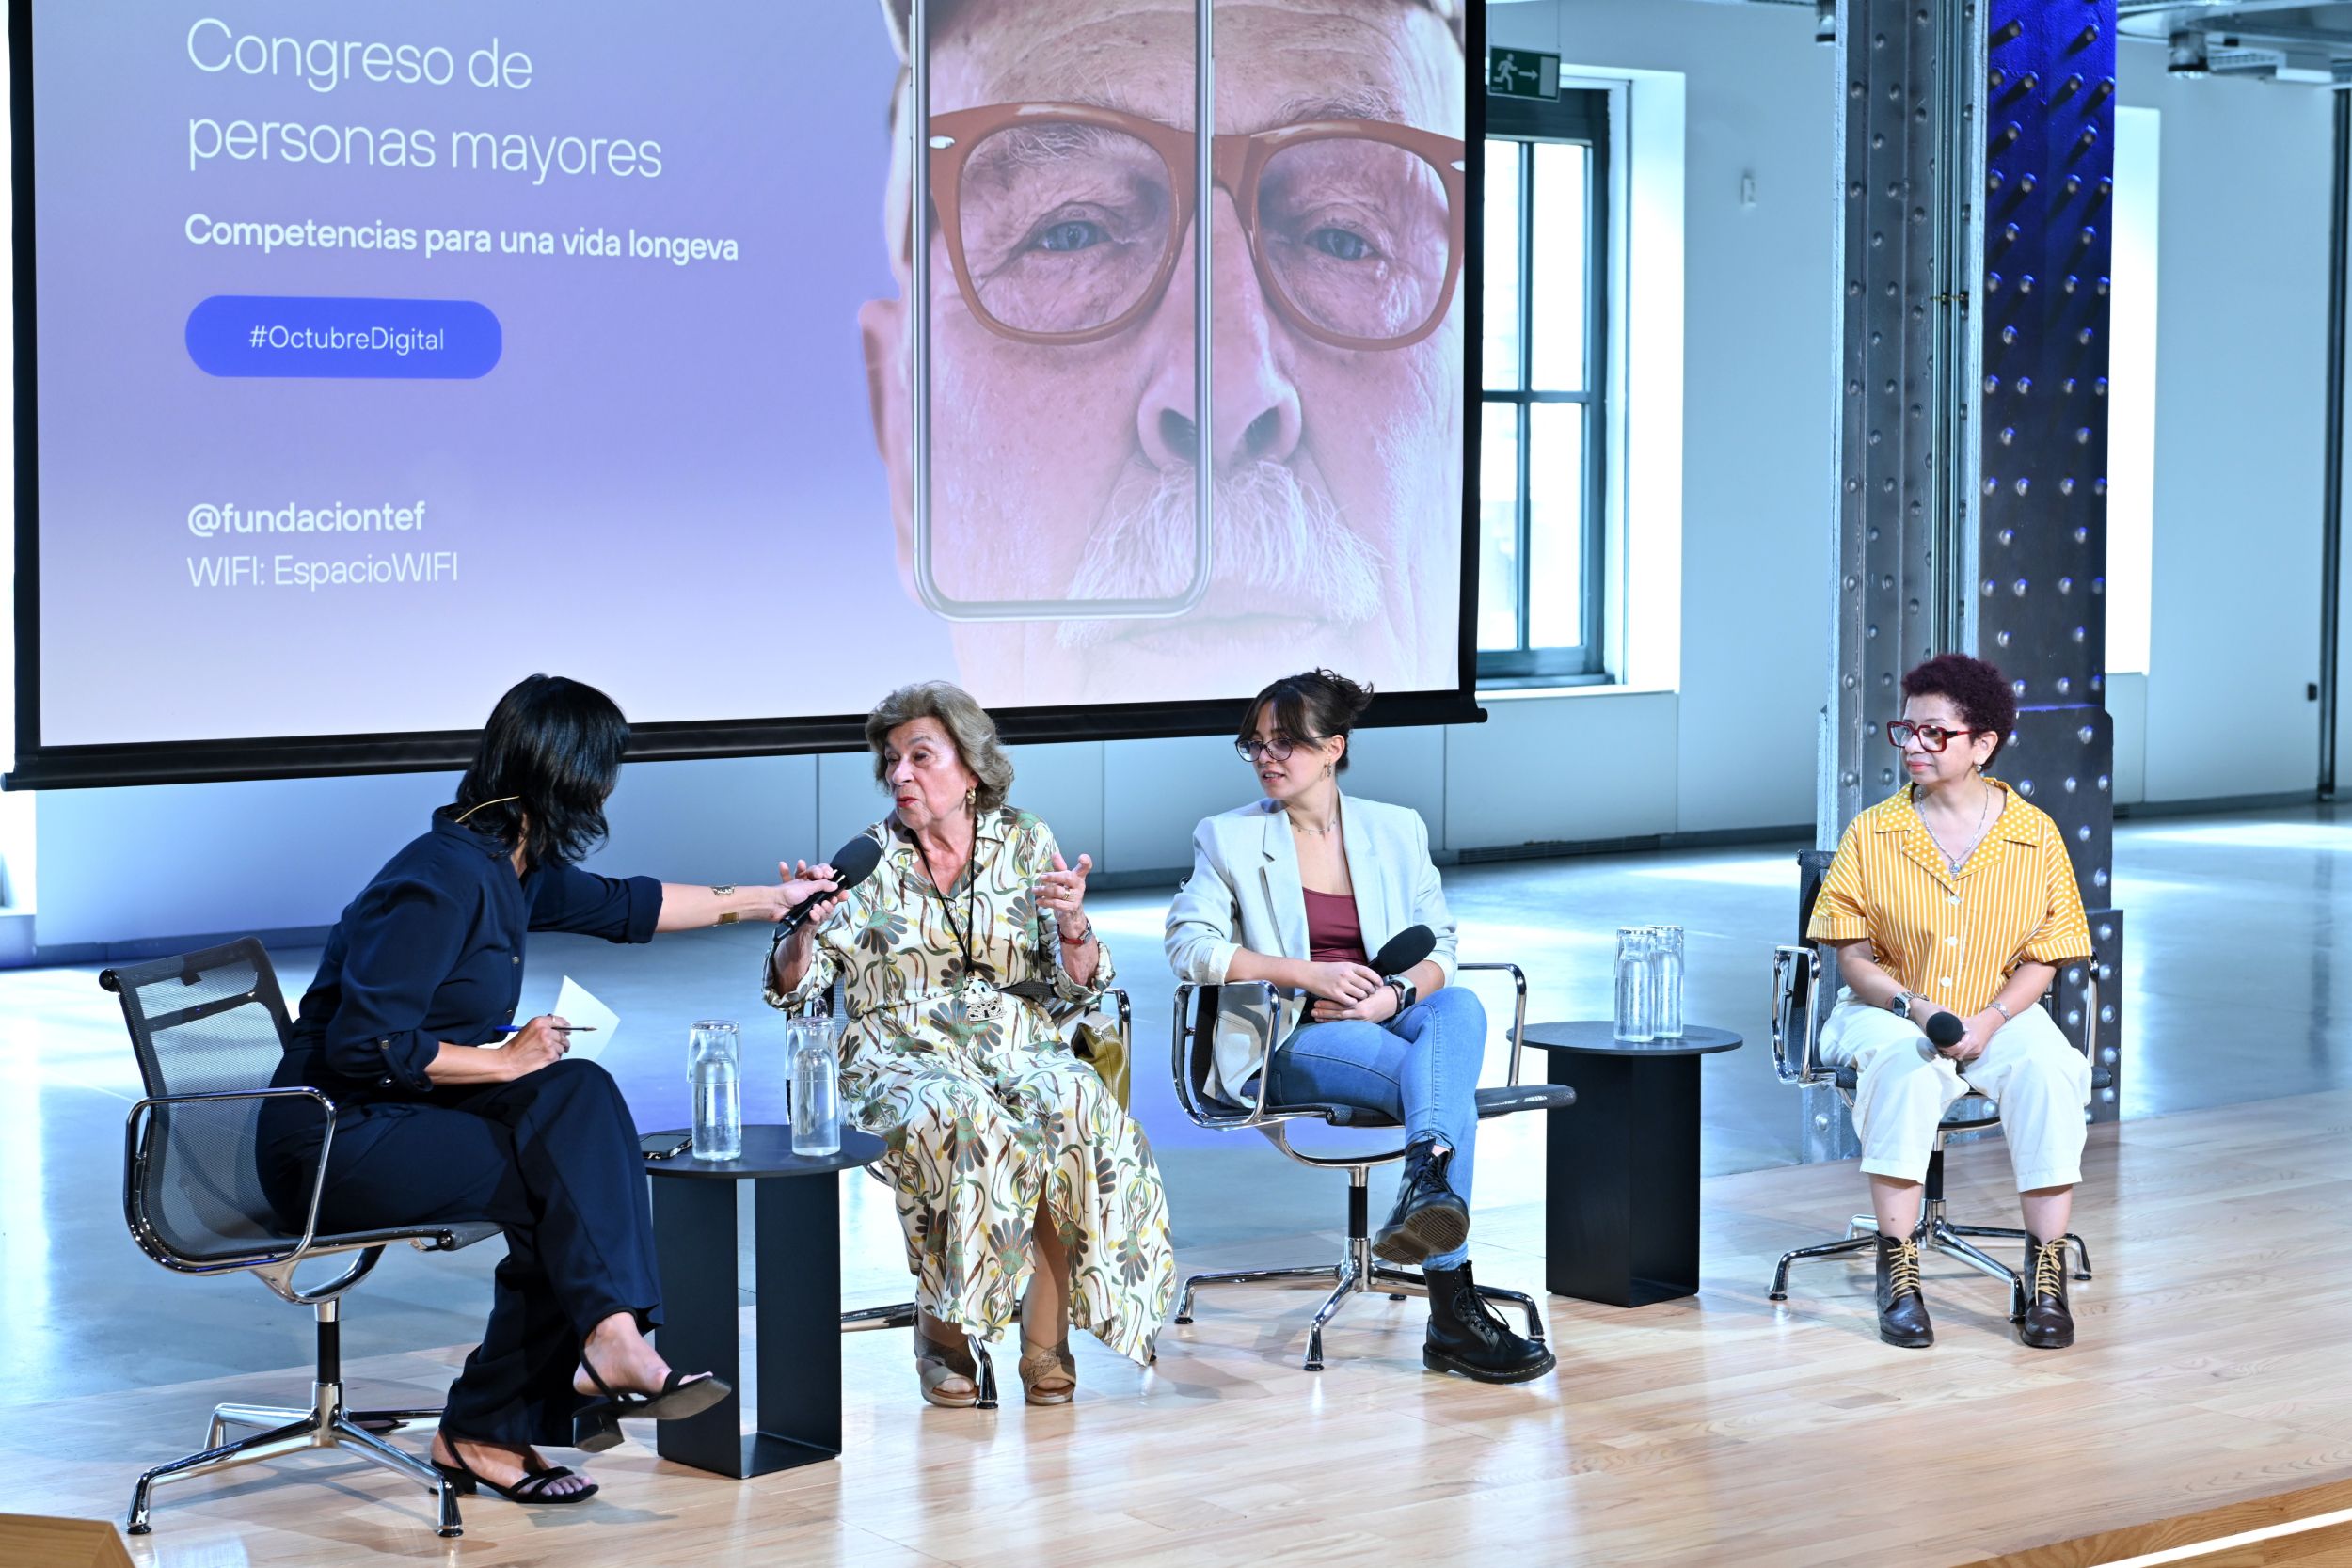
(1334, 934)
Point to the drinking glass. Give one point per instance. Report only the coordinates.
(1666, 964)
(1637, 985)
(714, 1067)
(814, 1045)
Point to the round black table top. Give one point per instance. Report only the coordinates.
(767, 1151)
(1598, 1038)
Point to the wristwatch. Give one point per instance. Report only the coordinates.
(1407, 993)
(1902, 1005)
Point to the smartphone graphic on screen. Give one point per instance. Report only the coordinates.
(1062, 226)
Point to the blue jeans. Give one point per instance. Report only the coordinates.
(1420, 1066)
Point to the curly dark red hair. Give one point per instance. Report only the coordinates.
(1978, 690)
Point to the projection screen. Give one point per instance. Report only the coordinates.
(373, 355)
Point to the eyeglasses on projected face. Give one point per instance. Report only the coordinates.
(1063, 221)
(1932, 737)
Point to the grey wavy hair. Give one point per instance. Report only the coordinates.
(967, 722)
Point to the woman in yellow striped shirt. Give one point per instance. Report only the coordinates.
(1955, 896)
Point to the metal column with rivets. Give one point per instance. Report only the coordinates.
(1976, 154)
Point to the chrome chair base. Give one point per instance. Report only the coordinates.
(284, 1429)
(1356, 1274)
(1936, 1233)
(900, 1314)
(325, 1425)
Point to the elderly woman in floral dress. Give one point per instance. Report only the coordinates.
(1023, 1185)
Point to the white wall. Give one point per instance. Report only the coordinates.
(2235, 610)
(2240, 394)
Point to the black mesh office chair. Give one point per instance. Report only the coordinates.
(1798, 1009)
(209, 1029)
(1111, 1008)
(1256, 1006)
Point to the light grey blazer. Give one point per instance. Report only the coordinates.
(1245, 892)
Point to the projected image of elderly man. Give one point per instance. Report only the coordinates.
(1062, 349)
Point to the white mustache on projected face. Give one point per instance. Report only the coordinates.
(1278, 550)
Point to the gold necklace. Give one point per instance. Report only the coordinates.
(1298, 826)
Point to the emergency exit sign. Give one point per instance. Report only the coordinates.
(1522, 73)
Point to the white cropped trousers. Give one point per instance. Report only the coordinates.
(2039, 1080)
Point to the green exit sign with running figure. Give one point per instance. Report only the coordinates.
(1522, 73)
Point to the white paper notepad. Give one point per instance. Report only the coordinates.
(574, 1006)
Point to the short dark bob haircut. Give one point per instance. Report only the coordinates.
(1313, 705)
(1978, 690)
(554, 746)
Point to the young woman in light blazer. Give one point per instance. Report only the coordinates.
(1298, 889)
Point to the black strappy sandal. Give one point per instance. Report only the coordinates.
(597, 1427)
(532, 1488)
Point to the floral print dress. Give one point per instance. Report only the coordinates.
(985, 1117)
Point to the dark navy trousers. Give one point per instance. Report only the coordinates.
(553, 1158)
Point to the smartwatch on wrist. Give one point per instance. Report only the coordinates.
(1900, 1006)
(1407, 993)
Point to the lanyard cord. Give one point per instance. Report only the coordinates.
(971, 905)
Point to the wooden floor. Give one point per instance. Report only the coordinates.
(2212, 1368)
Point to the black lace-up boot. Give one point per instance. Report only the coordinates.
(1468, 1336)
(1902, 1308)
(2049, 1321)
(1430, 1216)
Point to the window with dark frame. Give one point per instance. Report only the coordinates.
(1543, 433)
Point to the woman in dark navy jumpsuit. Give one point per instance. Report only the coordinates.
(425, 969)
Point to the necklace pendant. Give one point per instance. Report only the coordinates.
(979, 1000)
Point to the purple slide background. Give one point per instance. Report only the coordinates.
(664, 460)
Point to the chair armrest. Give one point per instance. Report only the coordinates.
(1123, 1010)
(2091, 1011)
(1796, 986)
(1201, 1114)
(133, 1128)
(1519, 1008)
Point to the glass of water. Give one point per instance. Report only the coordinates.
(1666, 965)
(714, 1066)
(1637, 985)
(814, 1045)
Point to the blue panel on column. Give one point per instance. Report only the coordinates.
(2041, 513)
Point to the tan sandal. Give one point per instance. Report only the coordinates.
(949, 1376)
(1049, 1374)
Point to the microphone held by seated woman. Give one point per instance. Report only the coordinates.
(442, 1115)
(1299, 889)
(1952, 905)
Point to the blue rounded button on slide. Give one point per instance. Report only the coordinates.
(293, 335)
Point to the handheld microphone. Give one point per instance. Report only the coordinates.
(1944, 1029)
(1403, 950)
(851, 865)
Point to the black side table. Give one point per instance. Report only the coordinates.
(796, 1263)
(1621, 1184)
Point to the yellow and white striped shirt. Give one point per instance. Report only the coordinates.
(1953, 940)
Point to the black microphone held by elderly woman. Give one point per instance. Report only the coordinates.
(1023, 1185)
(444, 1115)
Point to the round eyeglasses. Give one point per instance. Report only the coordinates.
(1932, 738)
(1278, 749)
(1063, 221)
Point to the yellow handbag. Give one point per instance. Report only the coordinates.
(1105, 1053)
